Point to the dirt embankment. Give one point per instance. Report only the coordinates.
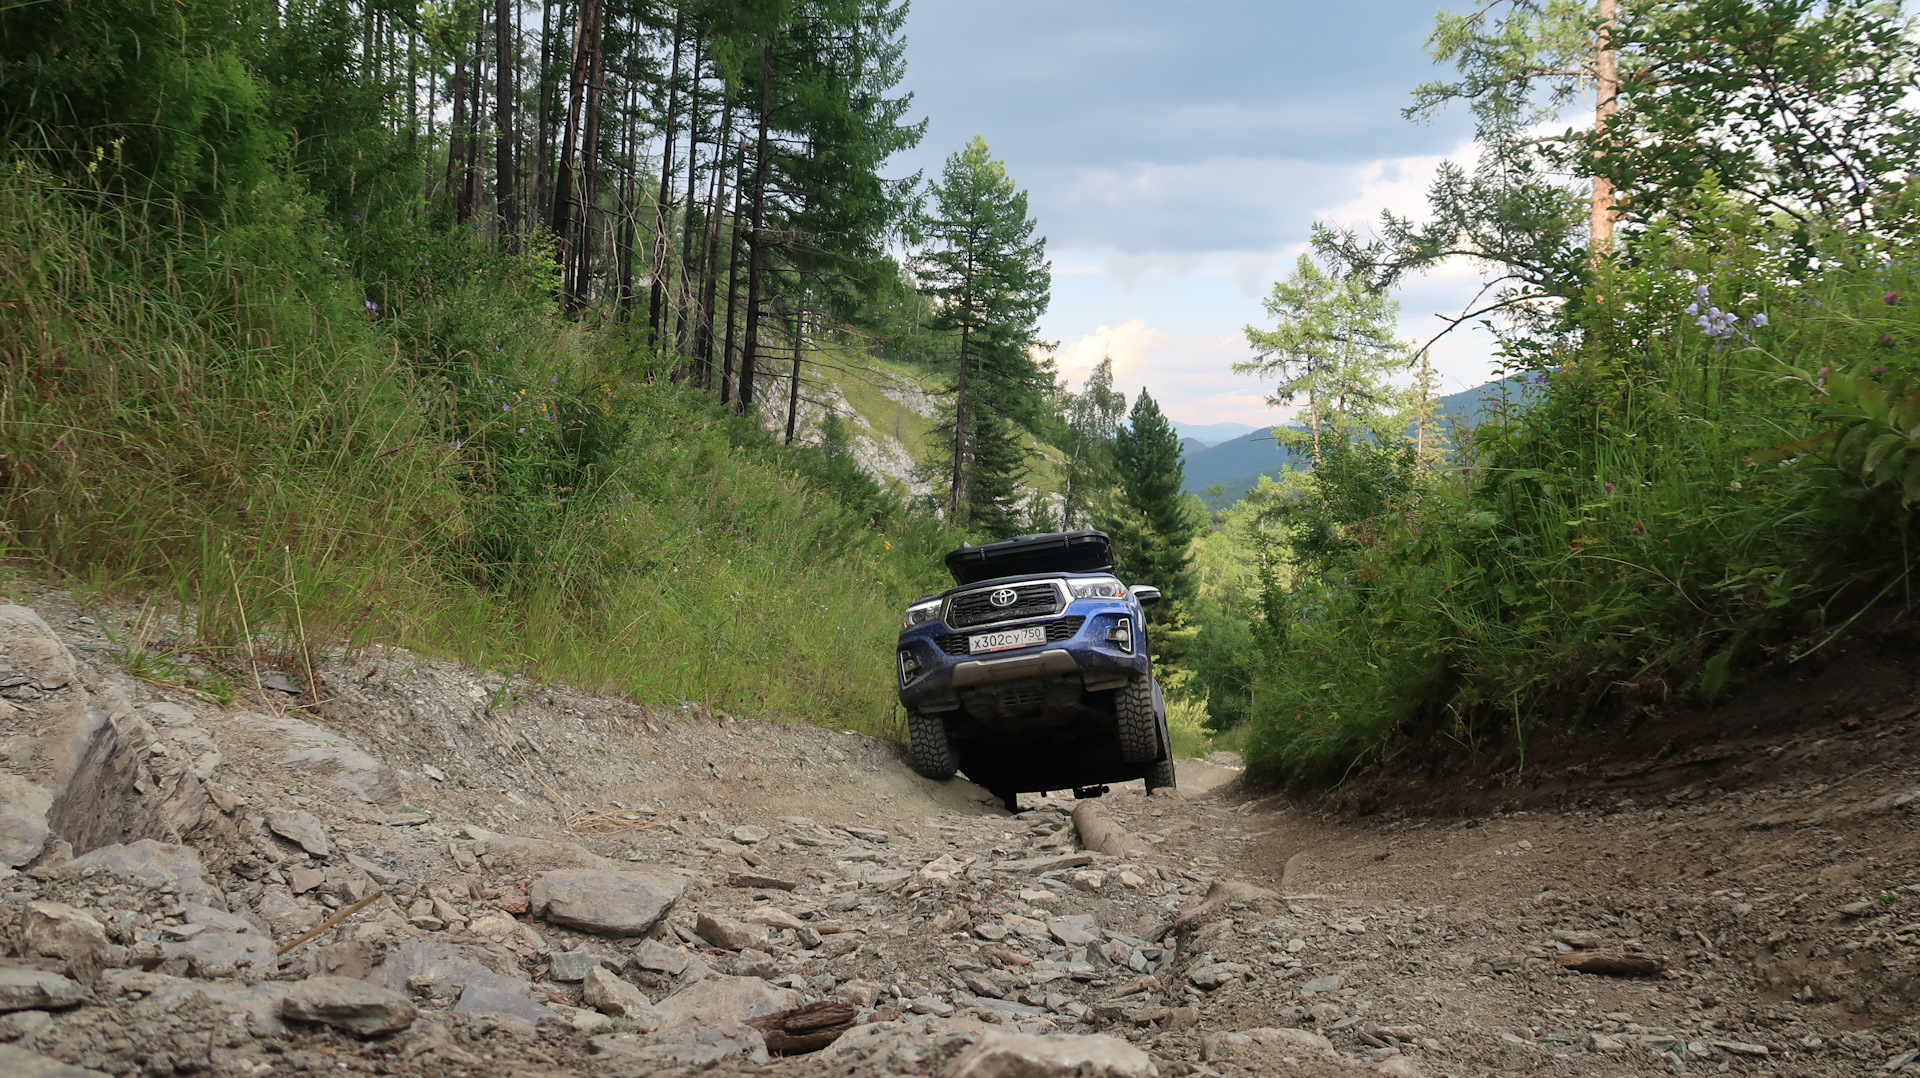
(511, 880)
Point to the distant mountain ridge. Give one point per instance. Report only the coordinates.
(1238, 464)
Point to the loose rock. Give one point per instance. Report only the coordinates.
(357, 1007)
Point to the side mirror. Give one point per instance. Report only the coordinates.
(1146, 594)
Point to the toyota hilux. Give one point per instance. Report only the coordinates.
(1033, 672)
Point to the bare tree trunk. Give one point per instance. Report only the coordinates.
(506, 49)
(710, 262)
(793, 390)
(756, 245)
(543, 150)
(656, 295)
(733, 274)
(576, 98)
(470, 164)
(1606, 99)
(582, 292)
(413, 92)
(957, 496)
(457, 137)
(684, 307)
(629, 208)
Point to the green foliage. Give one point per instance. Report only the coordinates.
(988, 275)
(1659, 506)
(1145, 511)
(1803, 107)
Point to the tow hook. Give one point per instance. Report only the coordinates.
(1088, 791)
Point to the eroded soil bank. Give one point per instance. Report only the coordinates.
(548, 882)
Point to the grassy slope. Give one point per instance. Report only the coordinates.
(218, 417)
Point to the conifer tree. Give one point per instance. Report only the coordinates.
(990, 280)
(1146, 512)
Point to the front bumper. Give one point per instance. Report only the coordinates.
(933, 681)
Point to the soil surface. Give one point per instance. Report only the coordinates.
(513, 879)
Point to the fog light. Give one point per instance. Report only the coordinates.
(1121, 635)
(909, 667)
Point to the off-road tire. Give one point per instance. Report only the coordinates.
(1137, 721)
(928, 751)
(1161, 777)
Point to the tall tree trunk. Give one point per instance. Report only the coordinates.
(710, 262)
(1606, 80)
(733, 273)
(656, 295)
(457, 136)
(413, 92)
(957, 497)
(470, 177)
(576, 99)
(629, 207)
(756, 243)
(543, 127)
(685, 307)
(582, 292)
(506, 47)
(793, 390)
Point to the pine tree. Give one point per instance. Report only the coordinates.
(1086, 430)
(990, 279)
(1146, 512)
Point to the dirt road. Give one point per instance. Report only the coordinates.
(546, 881)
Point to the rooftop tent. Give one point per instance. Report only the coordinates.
(1084, 551)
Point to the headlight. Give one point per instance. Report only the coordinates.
(1101, 587)
(920, 612)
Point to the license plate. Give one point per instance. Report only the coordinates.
(1007, 638)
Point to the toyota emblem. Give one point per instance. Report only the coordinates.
(1003, 597)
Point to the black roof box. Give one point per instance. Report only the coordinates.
(1084, 551)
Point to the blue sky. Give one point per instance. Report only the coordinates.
(1176, 155)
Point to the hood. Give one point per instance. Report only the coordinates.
(1084, 551)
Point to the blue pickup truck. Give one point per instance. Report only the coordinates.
(1032, 673)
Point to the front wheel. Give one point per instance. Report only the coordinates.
(1138, 721)
(928, 750)
(1162, 777)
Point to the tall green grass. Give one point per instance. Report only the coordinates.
(1654, 511)
(309, 438)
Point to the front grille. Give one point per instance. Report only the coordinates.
(1057, 630)
(1030, 601)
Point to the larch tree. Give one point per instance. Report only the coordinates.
(1146, 511)
(990, 279)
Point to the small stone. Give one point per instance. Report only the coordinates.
(751, 882)
(1076, 930)
(1861, 909)
(572, 966)
(1601, 1042)
(1020, 1055)
(1330, 983)
(719, 996)
(1088, 881)
(859, 993)
(1215, 974)
(748, 835)
(280, 683)
(991, 931)
(624, 903)
(729, 934)
(358, 1007)
(433, 773)
(494, 924)
(57, 930)
(37, 990)
(1506, 963)
(773, 917)
(514, 904)
(660, 958)
(305, 879)
(868, 833)
(939, 1008)
(612, 996)
(1326, 1013)
(753, 963)
(300, 828)
(1741, 1048)
(1130, 879)
(982, 986)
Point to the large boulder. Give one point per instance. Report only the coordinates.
(625, 903)
(446, 973)
(20, 1063)
(37, 990)
(23, 820)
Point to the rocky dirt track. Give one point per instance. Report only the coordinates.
(511, 880)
